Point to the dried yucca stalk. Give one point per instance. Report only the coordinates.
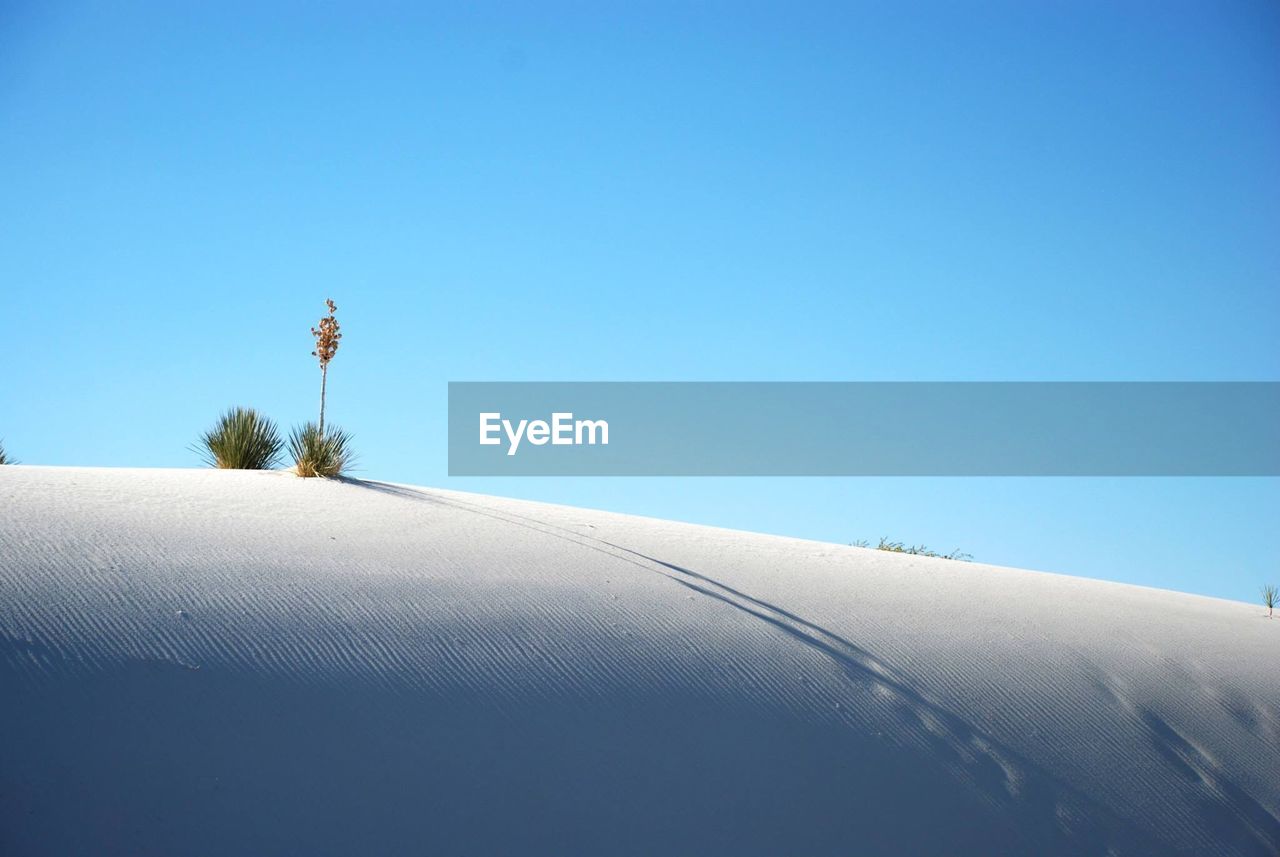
(327, 337)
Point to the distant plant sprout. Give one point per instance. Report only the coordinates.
(320, 454)
(242, 439)
(914, 550)
(327, 337)
(1269, 594)
(5, 459)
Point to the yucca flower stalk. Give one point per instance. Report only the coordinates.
(327, 337)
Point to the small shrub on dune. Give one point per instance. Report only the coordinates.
(915, 550)
(242, 439)
(4, 459)
(320, 453)
(1269, 596)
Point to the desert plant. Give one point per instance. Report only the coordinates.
(242, 439)
(320, 453)
(4, 459)
(914, 550)
(327, 337)
(1269, 595)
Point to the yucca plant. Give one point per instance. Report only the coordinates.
(4, 459)
(320, 453)
(242, 439)
(1269, 596)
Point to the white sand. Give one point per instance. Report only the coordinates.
(217, 662)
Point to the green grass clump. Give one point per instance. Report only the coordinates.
(242, 439)
(914, 550)
(317, 453)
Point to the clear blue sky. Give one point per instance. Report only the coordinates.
(734, 191)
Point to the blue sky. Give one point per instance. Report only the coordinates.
(879, 191)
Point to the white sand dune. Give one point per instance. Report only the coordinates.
(238, 663)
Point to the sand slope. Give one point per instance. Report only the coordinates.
(204, 662)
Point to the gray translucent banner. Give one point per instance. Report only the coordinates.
(864, 429)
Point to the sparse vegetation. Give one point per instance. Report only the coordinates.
(242, 439)
(327, 337)
(320, 453)
(915, 550)
(4, 459)
(1269, 594)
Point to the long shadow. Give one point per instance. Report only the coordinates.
(387, 488)
(1238, 806)
(1081, 822)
